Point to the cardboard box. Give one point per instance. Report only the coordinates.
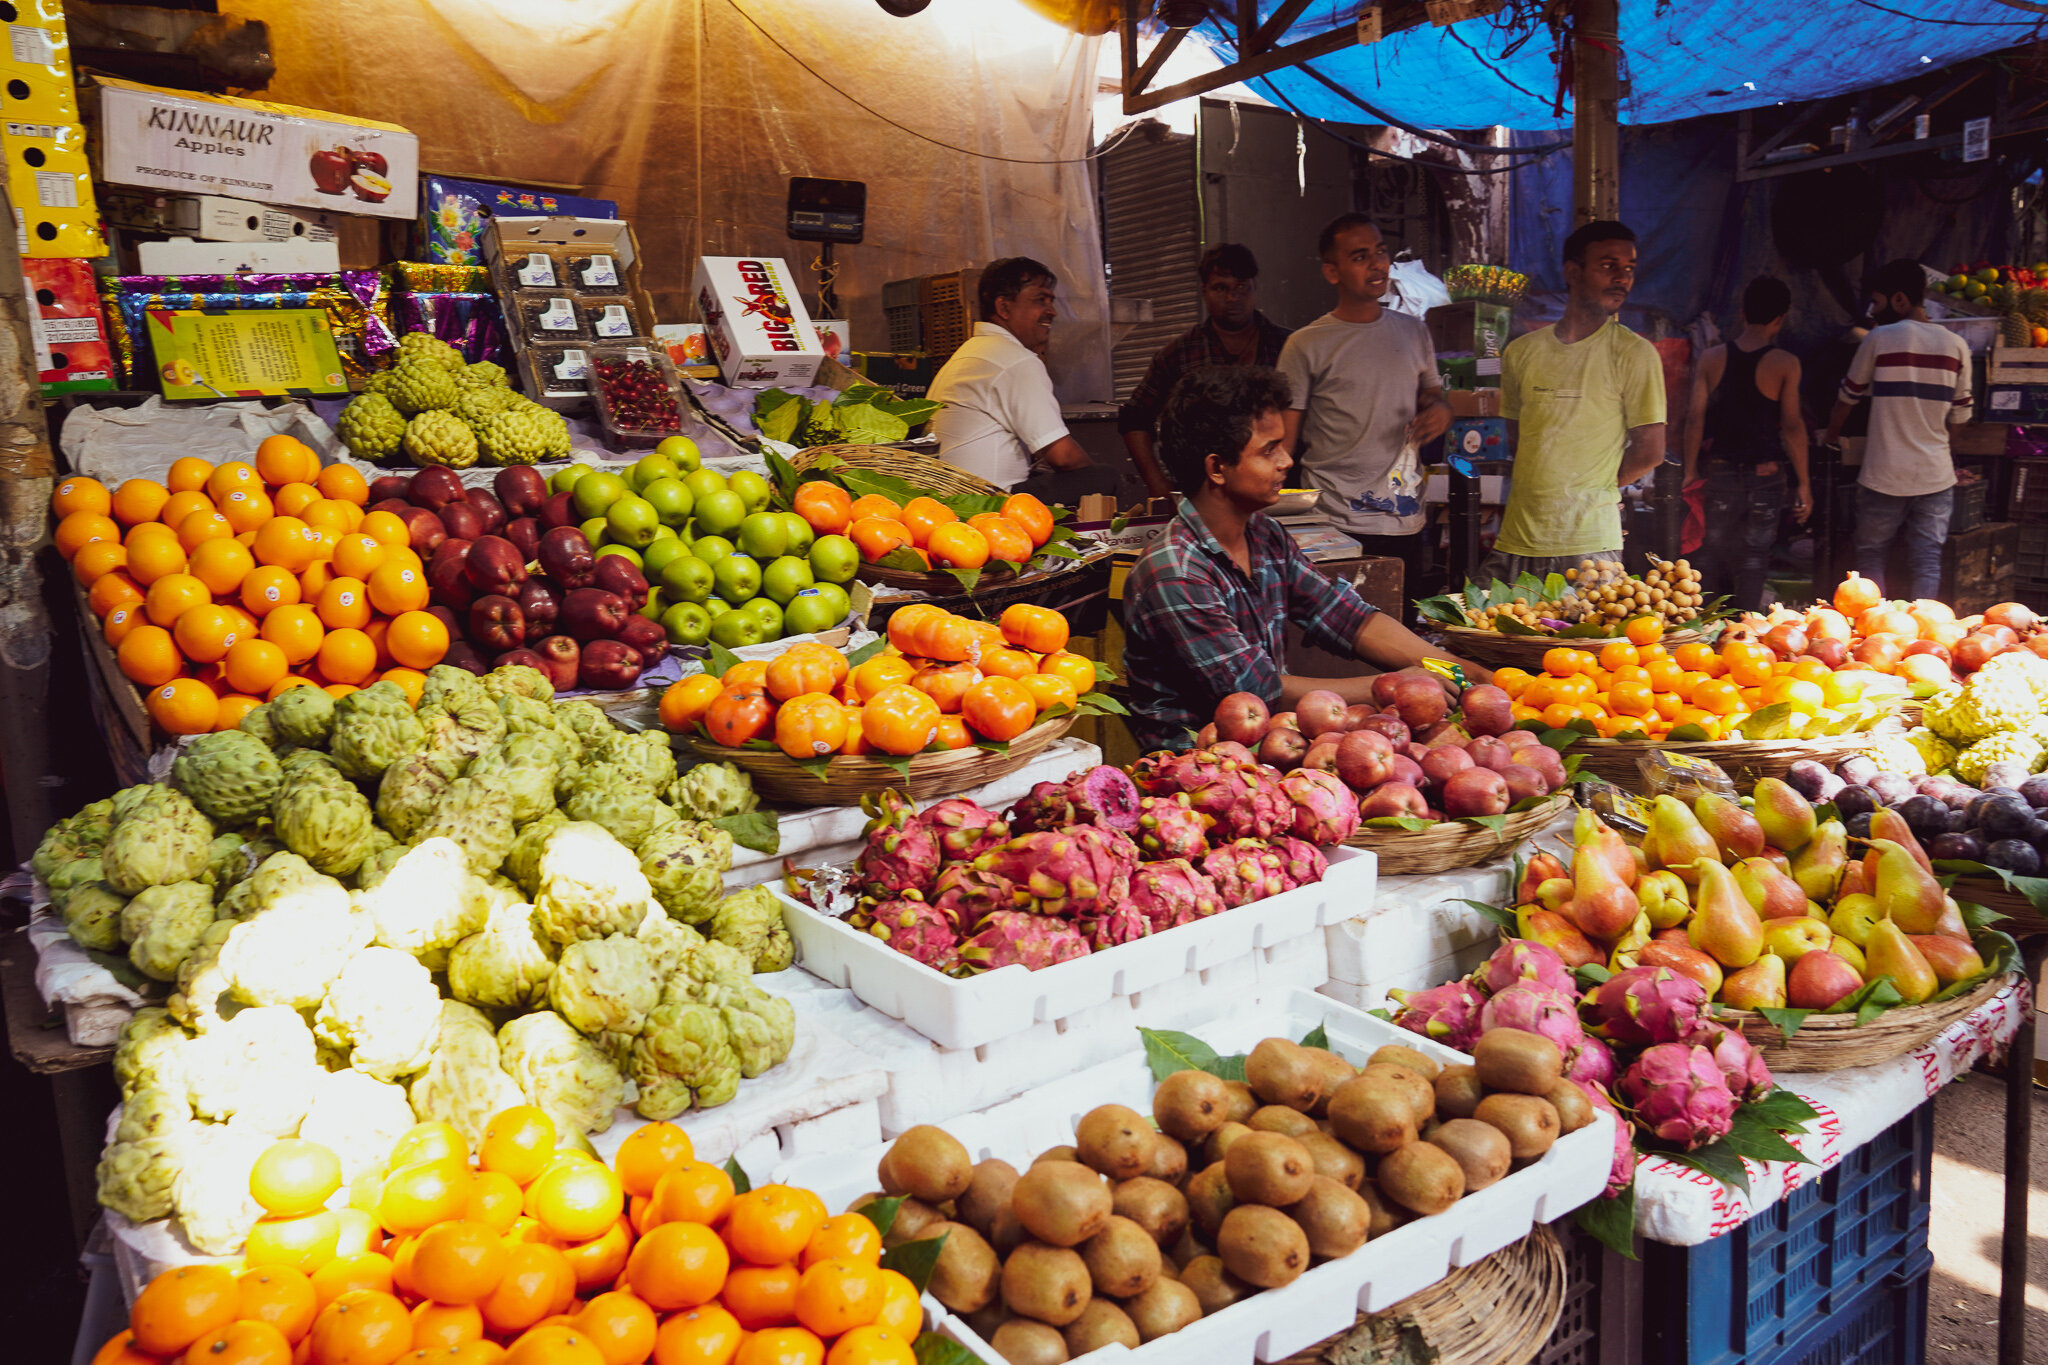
(505, 234)
(453, 214)
(50, 181)
(183, 256)
(1469, 327)
(69, 329)
(273, 153)
(214, 218)
(759, 331)
(244, 353)
(689, 350)
(1477, 438)
(35, 65)
(906, 376)
(1473, 402)
(2016, 403)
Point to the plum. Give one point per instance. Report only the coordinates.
(1890, 788)
(1809, 779)
(2006, 776)
(2001, 816)
(1957, 844)
(1242, 716)
(2035, 791)
(1858, 824)
(2014, 855)
(1855, 800)
(1857, 769)
(1925, 816)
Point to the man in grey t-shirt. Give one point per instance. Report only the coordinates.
(1366, 399)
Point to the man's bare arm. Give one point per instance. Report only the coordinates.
(1065, 453)
(1644, 452)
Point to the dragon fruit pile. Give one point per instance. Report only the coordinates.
(1091, 862)
(1641, 1043)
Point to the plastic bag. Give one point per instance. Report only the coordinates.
(1411, 289)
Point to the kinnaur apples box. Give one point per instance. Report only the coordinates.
(759, 331)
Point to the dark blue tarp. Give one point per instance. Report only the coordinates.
(1683, 58)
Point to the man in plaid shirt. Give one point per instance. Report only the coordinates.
(1207, 605)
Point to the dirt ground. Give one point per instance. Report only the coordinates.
(1968, 1216)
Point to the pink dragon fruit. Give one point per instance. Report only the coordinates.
(966, 893)
(1303, 861)
(916, 930)
(1621, 1174)
(1448, 1013)
(1121, 924)
(1101, 795)
(1536, 1009)
(1594, 1063)
(1520, 960)
(1678, 1094)
(1173, 892)
(1169, 828)
(1241, 799)
(1147, 772)
(1325, 810)
(901, 854)
(1246, 870)
(963, 830)
(1647, 1005)
(1074, 873)
(1008, 938)
(1742, 1066)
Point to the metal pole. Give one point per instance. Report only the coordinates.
(1596, 110)
(2019, 1141)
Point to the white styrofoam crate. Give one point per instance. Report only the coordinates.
(964, 1014)
(1327, 1299)
(1372, 995)
(1414, 922)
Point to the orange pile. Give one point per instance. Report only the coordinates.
(532, 1255)
(942, 682)
(224, 585)
(926, 526)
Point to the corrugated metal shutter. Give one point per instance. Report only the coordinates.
(1151, 241)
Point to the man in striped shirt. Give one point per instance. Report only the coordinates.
(1916, 378)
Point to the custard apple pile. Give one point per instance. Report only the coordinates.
(526, 433)
(440, 438)
(435, 409)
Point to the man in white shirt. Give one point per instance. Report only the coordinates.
(1916, 377)
(1001, 419)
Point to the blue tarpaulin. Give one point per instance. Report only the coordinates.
(1683, 58)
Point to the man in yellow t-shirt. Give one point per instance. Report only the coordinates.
(1584, 399)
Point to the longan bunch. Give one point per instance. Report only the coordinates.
(1670, 589)
(1521, 609)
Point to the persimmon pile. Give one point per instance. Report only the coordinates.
(941, 682)
(530, 1254)
(926, 527)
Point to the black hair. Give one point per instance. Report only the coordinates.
(1766, 300)
(1326, 245)
(1210, 412)
(1589, 234)
(1007, 278)
(1902, 276)
(1228, 259)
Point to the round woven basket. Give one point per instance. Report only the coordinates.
(2021, 918)
(1746, 761)
(1454, 843)
(1500, 1310)
(777, 777)
(1495, 650)
(915, 467)
(1834, 1042)
(932, 583)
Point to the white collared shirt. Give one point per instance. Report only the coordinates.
(999, 407)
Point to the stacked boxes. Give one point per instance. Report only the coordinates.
(48, 177)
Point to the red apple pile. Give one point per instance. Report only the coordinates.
(516, 581)
(1405, 752)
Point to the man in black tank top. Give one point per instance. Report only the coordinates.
(1747, 432)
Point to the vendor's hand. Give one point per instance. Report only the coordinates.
(1430, 423)
(1802, 503)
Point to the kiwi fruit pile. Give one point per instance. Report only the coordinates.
(1143, 1225)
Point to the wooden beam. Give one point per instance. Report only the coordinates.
(1270, 31)
(1161, 50)
(1279, 58)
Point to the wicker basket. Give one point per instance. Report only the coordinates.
(1835, 1042)
(1499, 1310)
(1454, 843)
(1746, 761)
(2021, 918)
(916, 467)
(1495, 650)
(777, 777)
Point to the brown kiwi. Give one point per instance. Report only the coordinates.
(1056, 1154)
(1278, 1118)
(1215, 1288)
(1386, 1214)
(928, 1163)
(864, 1200)
(1530, 1122)
(1220, 1140)
(1100, 1324)
(1480, 1149)
(988, 1194)
(1268, 1168)
(1333, 1218)
(1516, 1060)
(914, 1221)
(1333, 1071)
(1153, 1205)
(1166, 1307)
(1123, 1260)
(1394, 1054)
(1334, 1159)
(1169, 1159)
(1189, 1248)
(1167, 1269)
(1458, 1092)
(1574, 1110)
(1420, 1093)
(1372, 1116)
(1242, 1102)
(1262, 1246)
(1421, 1177)
(1190, 1105)
(1061, 1202)
(1115, 1140)
(1047, 1283)
(965, 1277)
(1021, 1341)
(1005, 1233)
(1280, 1072)
(986, 1319)
(1209, 1199)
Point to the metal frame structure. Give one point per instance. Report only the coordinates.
(1869, 136)
(1257, 53)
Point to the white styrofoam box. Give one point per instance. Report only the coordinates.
(1416, 921)
(993, 1005)
(183, 256)
(832, 834)
(1298, 964)
(1372, 995)
(1328, 1298)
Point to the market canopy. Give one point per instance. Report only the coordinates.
(1682, 59)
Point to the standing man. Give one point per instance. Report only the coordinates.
(1001, 418)
(1917, 378)
(1746, 414)
(1584, 402)
(1235, 333)
(1366, 399)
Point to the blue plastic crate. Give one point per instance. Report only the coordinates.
(1789, 1286)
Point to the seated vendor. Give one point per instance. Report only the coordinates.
(1207, 606)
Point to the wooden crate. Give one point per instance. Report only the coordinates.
(2017, 365)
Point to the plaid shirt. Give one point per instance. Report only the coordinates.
(1198, 346)
(1197, 629)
